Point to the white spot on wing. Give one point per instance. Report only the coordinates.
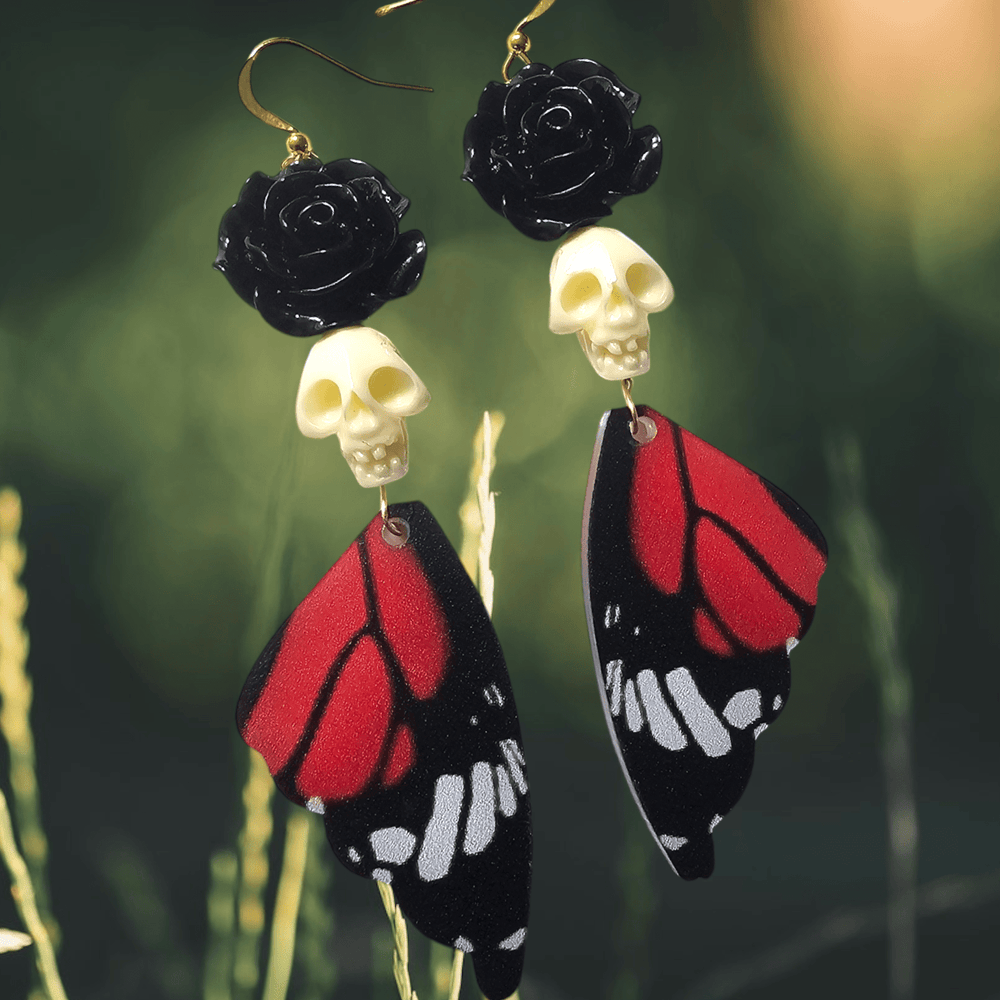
(508, 801)
(315, 805)
(705, 725)
(776, 705)
(673, 843)
(759, 730)
(743, 708)
(607, 616)
(481, 822)
(438, 847)
(790, 644)
(632, 714)
(382, 875)
(716, 820)
(513, 942)
(463, 944)
(514, 761)
(614, 684)
(662, 723)
(353, 855)
(394, 844)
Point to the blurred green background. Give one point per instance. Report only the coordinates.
(828, 214)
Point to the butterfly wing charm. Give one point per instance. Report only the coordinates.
(699, 577)
(384, 704)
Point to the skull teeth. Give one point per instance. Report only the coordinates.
(382, 464)
(619, 359)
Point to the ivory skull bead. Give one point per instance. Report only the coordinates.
(603, 287)
(355, 385)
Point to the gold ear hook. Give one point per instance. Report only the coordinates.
(299, 146)
(518, 42)
(390, 7)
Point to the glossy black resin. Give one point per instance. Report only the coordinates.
(318, 247)
(555, 148)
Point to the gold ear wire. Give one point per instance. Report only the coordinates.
(390, 7)
(518, 42)
(298, 144)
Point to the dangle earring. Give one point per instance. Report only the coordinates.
(699, 576)
(383, 701)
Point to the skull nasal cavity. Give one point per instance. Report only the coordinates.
(393, 388)
(359, 415)
(581, 294)
(619, 306)
(322, 402)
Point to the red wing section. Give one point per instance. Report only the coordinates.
(311, 641)
(369, 639)
(740, 499)
(659, 512)
(348, 743)
(401, 757)
(410, 613)
(697, 512)
(739, 594)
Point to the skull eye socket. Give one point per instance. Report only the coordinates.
(647, 284)
(322, 403)
(581, 294)
(394, 389)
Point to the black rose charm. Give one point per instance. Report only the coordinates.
(318, 246)
(554, 149)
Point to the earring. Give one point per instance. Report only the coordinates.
(699, 576)
(383, 702)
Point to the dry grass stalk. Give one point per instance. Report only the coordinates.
(455, 980)
(400, 943)
(223, 873)
(286, 906)
(24, 896)
(254, 838)
(478, 511)
(15, 705)
(881, 598)
(318, 972)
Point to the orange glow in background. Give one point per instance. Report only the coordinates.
(900, 100)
